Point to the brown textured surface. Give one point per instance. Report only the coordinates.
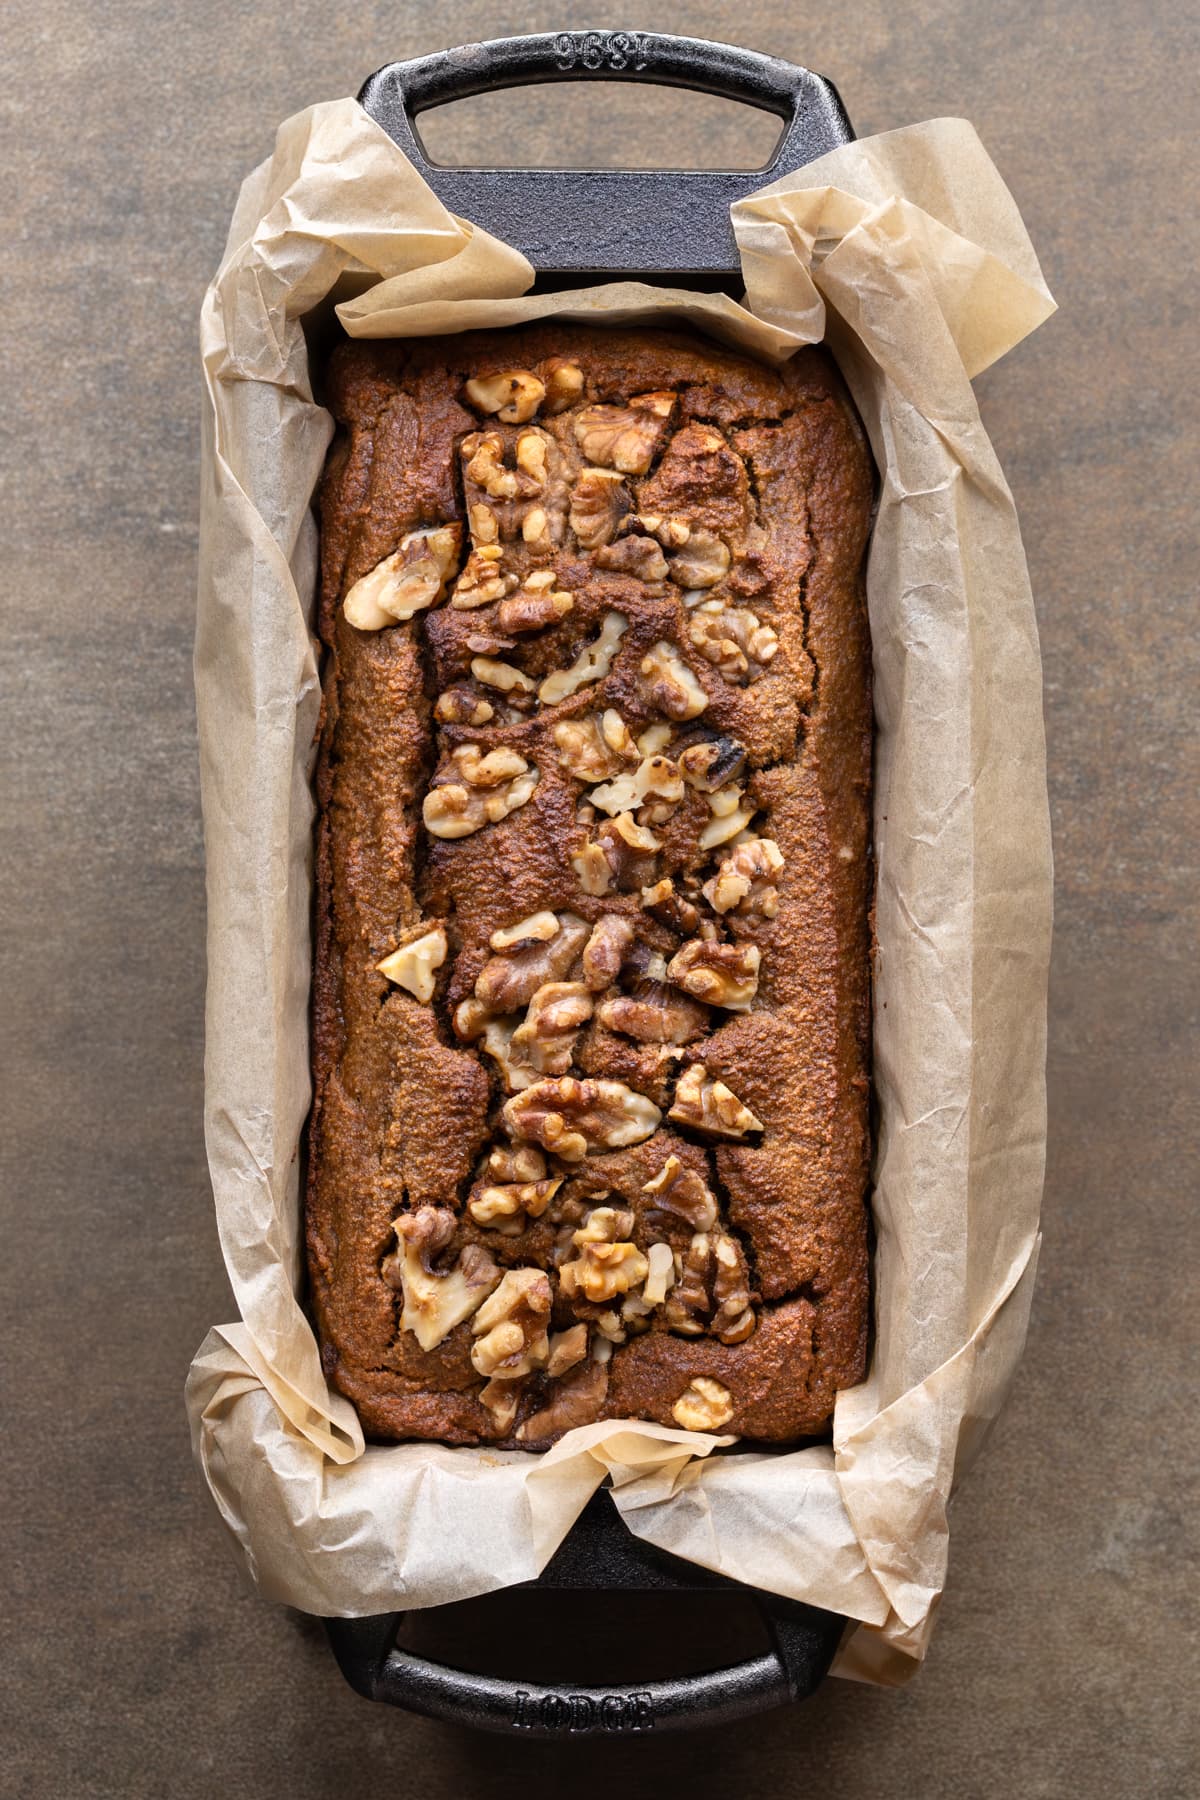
(406, 1107)
(138, 1664)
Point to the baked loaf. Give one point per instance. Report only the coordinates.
(589, 1132)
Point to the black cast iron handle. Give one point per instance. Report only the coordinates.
(643, 222)
(799, 1659)
(599, 1552)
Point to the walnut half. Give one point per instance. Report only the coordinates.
(488, 788)
(570, 1117)
(407, 582)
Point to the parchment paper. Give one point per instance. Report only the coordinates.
(907, 253)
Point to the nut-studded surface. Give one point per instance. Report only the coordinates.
(619, 762)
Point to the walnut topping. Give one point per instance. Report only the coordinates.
(636, 556)
(513, 1201)
(592, 664)
(599, 501)
(515, 1162)
(712, 764)
(502, 1399)
(702, 562)
(593, 869)
(706, 1104)
(435, 1303)
(624, 437)
(681, 1191)
(531, 451)
(671, 686)
(607, 1264)
(537, 604)
(656, 781)
(564, 383)
(510, 1328)
(483, 456)
(413, 964)
(661, 1274)
(712, 1290)
(605, 950)
(509, 981)
(407, 582)
(720, 974)
(570, 1117)
(576, 1400)
(488, 789)
(733, 638)
(513, 395)
(744, 883)
(704, 1405)
(591, 748)
(729, 818)
(500, 675)
(671, 907)
(484, 525)
(566, 1349)
(546, 1039)
(461, 705)
(483, 580)
(654, 1014)
(671, 533)
(539, 927)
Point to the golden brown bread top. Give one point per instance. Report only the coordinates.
(594, 773)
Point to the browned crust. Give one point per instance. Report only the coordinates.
(401, 1113)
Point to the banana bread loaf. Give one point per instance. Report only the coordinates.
(589, 1132)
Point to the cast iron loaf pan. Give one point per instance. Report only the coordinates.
(579, 226)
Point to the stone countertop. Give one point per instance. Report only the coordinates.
(141, 1664)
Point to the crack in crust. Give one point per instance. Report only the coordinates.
(611, 725)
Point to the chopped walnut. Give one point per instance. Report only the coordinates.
(599, 501)
(509, 981)
(435, 1303)
(566, 1349)
(607, 1264)
(483, 523)
(532, 451)
(671, 907)
(654, 1014)
(576, 1400)
(563, 381)
(483, 580)
(502, 1399)
(624, 437)
(704, 1405)
(593, 747)
(723, 975)
(702, 562)
(513, 395)
(515, 1162)
(661, 1276)
(593, 869)
(681, 1191)
(605, 950)
(463, 706)
(671, 533)
(539, 927)
(712, 1290)
(557, 1012)
(489, 787)
(570, 1117)
(712, 764)
(655, 782)
(500, 675)
(706, 1104)
(535, 605)
(744, 882)
(636, 556)
(730, 818)
(513, 1202)
(407, 582)
(592, 664)
(496, 1040)
(510, 1328)
(733, 638)
(412, 965)
(671, 687)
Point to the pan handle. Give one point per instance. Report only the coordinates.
(609, 220)
(803, 1643)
